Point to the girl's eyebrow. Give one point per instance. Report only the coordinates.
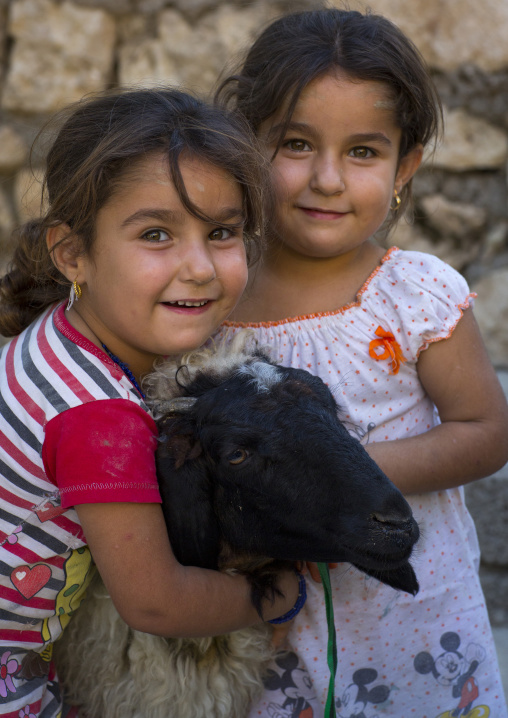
(274, 131)
(171, 216)
(162, 215)
(366, 137)
(273, 134)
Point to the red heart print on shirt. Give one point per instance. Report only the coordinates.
(48, 511)
(28, 580)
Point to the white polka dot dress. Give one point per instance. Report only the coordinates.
(399, 656)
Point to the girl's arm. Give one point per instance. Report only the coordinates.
(152, 591)
(472, 440)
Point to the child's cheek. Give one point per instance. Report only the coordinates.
(288, 177)
(241, 282)
(235, 276)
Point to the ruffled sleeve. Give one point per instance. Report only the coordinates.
(427, 296)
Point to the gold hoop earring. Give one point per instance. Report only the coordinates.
(398, 201)
(74, 295)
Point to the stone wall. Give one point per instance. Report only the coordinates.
(54, 52)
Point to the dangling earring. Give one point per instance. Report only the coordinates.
(398, 201)
(74, 295)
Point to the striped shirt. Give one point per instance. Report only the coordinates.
(58, 447)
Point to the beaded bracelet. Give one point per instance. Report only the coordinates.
(300, 602)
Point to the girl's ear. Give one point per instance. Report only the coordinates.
(63, 248)
(407, 167)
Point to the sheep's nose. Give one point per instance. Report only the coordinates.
(394, 522)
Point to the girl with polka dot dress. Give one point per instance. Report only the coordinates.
(344, 107)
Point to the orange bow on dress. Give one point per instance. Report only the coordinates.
(391, 351)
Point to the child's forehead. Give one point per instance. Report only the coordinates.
(147, 191)
(339, 86)
(196, 172)
(157, 165)
(332, 95)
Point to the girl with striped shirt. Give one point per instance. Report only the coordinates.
(152, 198)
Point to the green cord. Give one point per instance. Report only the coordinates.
(332, 640)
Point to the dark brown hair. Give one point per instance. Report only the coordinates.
(94, 151)
(299, 47)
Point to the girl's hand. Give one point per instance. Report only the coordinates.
(153, 592)
(314, 571)
(280, 634)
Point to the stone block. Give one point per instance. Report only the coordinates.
(495, 587)
(177, 57)
(27, 194)
(190, 8)
(409, 236)
(144, 64)
(487, 500)
(92, 30)
(150, 6)
(450, 33)
(68, 49)
(495, 239)
(13, 150)
(115, 7)
(454, 219)
(485, 189)
(7, 219)
(189, 54)
(3, 31)
(470, 143)
(238, 27)
(491, 311)
(135, 27)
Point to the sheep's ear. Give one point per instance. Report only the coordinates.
(402, 578)
(177, 405)
(182, 448)
(187, 501)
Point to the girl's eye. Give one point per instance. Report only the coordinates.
(221, 233)
(297, 145)
(362, 153)
(238, 456)
(156, 235)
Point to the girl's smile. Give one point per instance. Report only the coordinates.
(337, 165)
(160, 280)
(322, 214)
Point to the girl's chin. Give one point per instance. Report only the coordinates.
(320, 250)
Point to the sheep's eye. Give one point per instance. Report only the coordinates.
(238, 456)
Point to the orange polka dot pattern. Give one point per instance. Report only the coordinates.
(392, 647)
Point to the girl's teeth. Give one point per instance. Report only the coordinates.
(189, 304)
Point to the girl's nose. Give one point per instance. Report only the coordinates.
(327, 176)
(197, 264)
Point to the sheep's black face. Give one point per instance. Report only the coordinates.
(263, 462)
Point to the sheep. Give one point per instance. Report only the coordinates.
(256, 472)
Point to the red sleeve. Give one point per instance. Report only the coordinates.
(102, 452)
